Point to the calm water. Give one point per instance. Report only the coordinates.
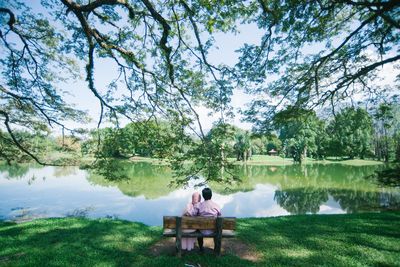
(33, 192)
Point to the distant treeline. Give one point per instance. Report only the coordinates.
(296, 133)
(351, 133)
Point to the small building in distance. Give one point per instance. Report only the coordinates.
(273, 152)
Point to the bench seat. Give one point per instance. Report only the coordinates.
(172, 233)
(223, 227)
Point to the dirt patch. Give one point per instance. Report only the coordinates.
(232, 246)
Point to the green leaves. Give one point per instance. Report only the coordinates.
(351, 131)
(299, 130)
(321, 53)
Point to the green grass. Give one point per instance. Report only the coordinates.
(315, 240)
(278, 161)
(74, 158)
(269, 160)
(359, 162)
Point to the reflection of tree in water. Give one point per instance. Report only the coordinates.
(64, 171)
(305, 200)
(14, 171)
(358, 201)
(151, 181)
(310, 175)
(322, 176)
(243, 185)
(301, 200)
(389, 177)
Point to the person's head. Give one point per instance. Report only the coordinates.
(196, 198)
(207, 193)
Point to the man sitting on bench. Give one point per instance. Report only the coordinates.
(207, 208)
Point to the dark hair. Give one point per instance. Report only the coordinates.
(207, 193)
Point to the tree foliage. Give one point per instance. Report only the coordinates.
(351, 131)
(144, 138)
(242, 146)
(299, 130)
(158, 51)
(318, 53)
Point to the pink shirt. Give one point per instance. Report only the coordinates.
(207, 208)
(190, 210)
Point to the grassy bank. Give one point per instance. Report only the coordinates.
(279, 161)
(73, 158)
(275, 161)
(331, 240)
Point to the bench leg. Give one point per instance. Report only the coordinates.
(200, 240)
(178, 240)
(218, 237)
(178, 245)
(217, 246)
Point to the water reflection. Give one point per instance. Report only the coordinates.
(31, 192)
(358, 201)
(309, 200)
(144, 179)
(301, 201)
(13, 171)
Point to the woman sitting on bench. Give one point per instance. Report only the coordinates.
(190, 210)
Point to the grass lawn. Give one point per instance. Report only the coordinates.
(359, 162)
(269, 160)
(70, 158)
(277, 161)
(325, 240)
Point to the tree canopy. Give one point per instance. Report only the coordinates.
(311, 54)
(318, 53)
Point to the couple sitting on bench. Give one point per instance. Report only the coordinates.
(207, 208)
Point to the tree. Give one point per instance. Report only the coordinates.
(298, 130)
(273, 142)
(397, 146)
(150, 44)
(32, 66)
(323, 52)
(258, 145)
(242, 146)
(208, 159)
(159, 51)
(384, 116)
(351, 131)
(151, 138)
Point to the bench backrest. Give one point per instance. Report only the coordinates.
(200, 223)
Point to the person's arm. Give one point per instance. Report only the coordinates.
(192, 210)
(188, 209)
(217, 207)
(219, 212)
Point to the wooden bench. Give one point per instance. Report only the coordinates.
(222, 226)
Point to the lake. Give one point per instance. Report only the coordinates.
(29, 192)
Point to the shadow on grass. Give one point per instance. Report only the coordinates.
(340, 240)
(74, 242)
(308, 240)
(83, 242)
